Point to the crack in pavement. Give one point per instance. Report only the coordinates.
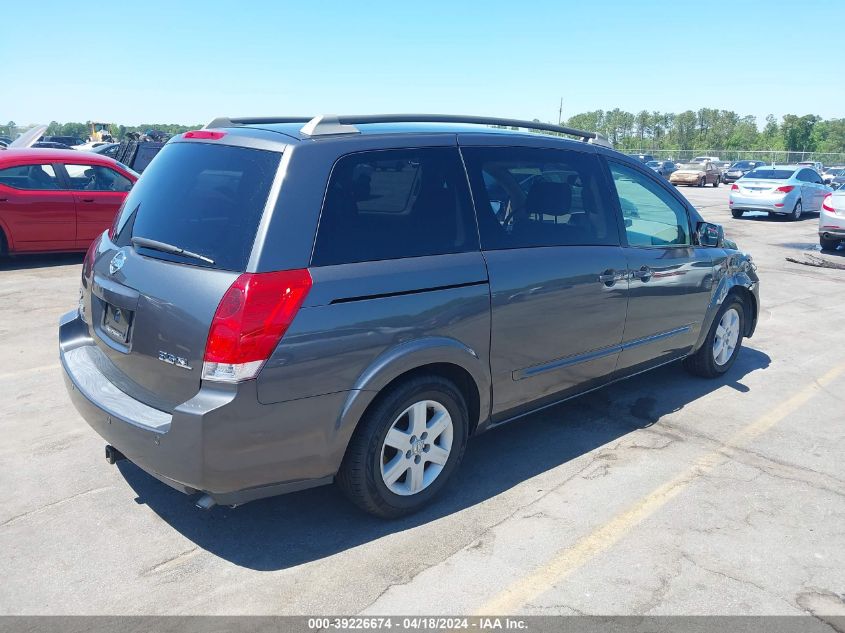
(24, 515)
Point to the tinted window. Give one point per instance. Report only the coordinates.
(528, 197)
(203, 198)
(30, 177)
(653, 216)
(811, 175)
(96, 178)
(391, 204)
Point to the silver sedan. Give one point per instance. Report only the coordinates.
(783, 189)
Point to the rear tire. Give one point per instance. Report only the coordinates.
(736, 213)
(722, 344)
(827, 244)
(373, 459)
(796, 211)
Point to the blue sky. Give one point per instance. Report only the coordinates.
(194, 61)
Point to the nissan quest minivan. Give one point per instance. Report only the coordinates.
(282, 302)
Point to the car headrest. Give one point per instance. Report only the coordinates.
(549, 198)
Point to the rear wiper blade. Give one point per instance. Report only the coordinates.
(164, 247)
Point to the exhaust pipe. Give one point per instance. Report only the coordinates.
(205, 502)
(113, 455)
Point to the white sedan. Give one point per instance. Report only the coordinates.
(832, 220)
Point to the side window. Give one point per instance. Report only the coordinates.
(528, 197)
(96, 178)
(653, 216)
(30, 177)
(390, 204)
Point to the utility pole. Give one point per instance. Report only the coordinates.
(560, 113)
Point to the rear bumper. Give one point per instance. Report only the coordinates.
(762, 203)
(222, 442)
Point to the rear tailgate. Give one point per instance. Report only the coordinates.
(148, 311)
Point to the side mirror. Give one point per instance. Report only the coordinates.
(710, 234)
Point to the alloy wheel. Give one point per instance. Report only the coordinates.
(416, 447)
(727, 335)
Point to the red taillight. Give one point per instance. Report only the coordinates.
(251, 319)
(734, 187)
(204, 134)
(785, 189)
(827, 204)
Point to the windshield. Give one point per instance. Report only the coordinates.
(200, 197)
(653, 163)
(770, 174)
(693, 166)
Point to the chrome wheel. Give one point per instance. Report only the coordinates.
(416, 447)
(797, 211)
(727, 335)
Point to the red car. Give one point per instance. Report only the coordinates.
(58, 200)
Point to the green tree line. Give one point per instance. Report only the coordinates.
(82, 129)
(709, 128)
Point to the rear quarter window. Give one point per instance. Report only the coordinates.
(392, 204)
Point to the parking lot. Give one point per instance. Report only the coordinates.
(665, 494)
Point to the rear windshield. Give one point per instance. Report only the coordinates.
(203, 198)
(769, 174)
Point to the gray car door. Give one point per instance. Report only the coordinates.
(670, 278)
(557, 272)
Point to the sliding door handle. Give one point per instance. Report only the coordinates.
(643, 274)
(610, 277)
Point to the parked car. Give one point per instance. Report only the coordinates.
(738, 169)
(89, 146)
(107, 149)
(662, 167)
(832, 220)
(832, 172)
(644, 158)
(705, 159)
(382, 315)
(783, 189)
(57, 200)
(50, 145)
(70, 141)
(812, 164)
(698, 174)
(837, 182)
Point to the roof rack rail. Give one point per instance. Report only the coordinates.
(326, 125)
(224, 121)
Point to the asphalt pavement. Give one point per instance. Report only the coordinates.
(665, 494)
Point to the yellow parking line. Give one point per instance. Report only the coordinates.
(567, 561)
(10, 375)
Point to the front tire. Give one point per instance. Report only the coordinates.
(716, 182)
(702, 182)
(721, 346)
(406, 447)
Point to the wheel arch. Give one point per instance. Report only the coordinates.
(438, 355)
(742, 284)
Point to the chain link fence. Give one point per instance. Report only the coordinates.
(775, 157)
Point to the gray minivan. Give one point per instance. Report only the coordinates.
(282, 303)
